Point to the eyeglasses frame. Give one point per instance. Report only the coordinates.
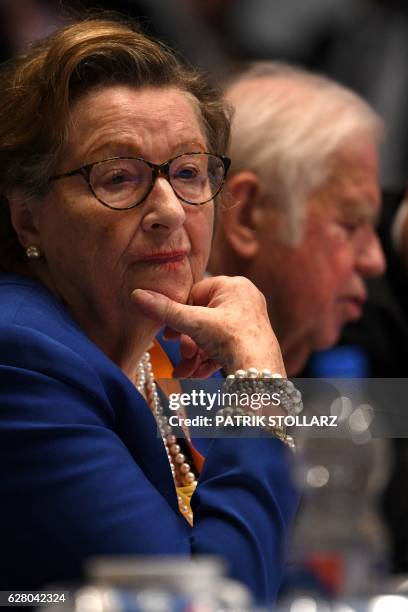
(157, 170)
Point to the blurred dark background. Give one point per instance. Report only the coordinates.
(361, 43)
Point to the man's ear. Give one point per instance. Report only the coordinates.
(23, 218)
(240, 221)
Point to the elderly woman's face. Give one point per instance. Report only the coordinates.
(97, 256)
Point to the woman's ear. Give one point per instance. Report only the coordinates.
(239, 222)
(23, 218)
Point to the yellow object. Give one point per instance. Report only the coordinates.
(184, 495)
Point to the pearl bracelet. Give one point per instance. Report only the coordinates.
(254, 381)
(264, 382)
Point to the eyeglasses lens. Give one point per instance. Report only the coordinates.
(196, 178)
(121, 183)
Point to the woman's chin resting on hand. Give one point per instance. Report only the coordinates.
(112, 157)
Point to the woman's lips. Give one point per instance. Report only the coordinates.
(165, 258)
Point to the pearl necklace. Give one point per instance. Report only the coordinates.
(180, 469)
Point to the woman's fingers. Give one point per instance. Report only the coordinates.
(188, 347)
(187, 367)
(195, 362)
(196, 368)
(165, 311)
(226, 318)
(170, 334)
(206, 369)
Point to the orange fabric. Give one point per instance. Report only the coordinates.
(162, 366)
(163, 372)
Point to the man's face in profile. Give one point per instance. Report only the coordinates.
(316, 287)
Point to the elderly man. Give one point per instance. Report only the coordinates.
(303, 200)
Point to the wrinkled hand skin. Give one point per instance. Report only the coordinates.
(225, 325)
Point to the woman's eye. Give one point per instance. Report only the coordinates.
(118, 177)
(187, 173)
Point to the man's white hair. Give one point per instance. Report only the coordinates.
(289, 134)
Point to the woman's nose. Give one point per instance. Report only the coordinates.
(164, 211)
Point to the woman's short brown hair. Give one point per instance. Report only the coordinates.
(39, 87)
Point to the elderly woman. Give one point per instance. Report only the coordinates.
(111, 166)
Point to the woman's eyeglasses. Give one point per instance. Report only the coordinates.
(124, 182)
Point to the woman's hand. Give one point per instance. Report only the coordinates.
(225, 324)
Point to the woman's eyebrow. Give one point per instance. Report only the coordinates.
(112, 148)
(190, 147)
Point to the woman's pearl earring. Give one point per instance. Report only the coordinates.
(33, 252)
